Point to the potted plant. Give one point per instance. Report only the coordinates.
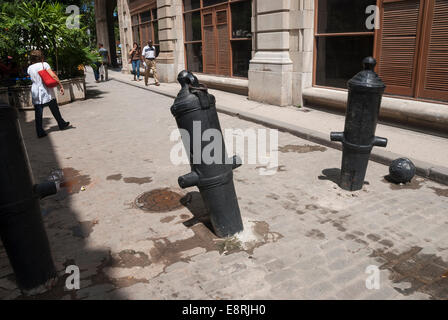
(26, 26)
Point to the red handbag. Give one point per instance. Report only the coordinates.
(47, 79)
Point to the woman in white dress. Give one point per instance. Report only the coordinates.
(43, 96)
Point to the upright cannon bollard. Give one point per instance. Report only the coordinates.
(195, 112)
(21, 227)
(358, 139)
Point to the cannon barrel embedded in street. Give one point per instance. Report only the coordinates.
(365, 92)
(195, 112)
(21, 227)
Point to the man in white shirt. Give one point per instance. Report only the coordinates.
(149, 53)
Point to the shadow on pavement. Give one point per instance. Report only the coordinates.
(193, 202)
(68, 236)
(93, 93)
(333, 175)
(55, 128)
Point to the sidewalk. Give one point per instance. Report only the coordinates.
(428, 152)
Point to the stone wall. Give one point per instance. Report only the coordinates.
(20, 96)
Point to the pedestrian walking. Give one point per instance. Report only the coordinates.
(136, 58)
(42, 95)
(102, 67)
(96, 71)
(105, 62)
(150, 55)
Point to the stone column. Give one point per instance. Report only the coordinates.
(302, 47)
(111, 5)
(124, 20)
(178, 28)
(271, 69)
(170, 60)
(102, 29)
(104, 25)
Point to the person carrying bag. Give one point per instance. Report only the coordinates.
(42, 91)
(47, 79)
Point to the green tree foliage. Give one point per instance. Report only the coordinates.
(30, 25)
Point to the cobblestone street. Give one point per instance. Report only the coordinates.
(305, 238)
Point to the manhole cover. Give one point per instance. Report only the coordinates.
(159, 200)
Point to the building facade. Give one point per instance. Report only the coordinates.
(276, 50)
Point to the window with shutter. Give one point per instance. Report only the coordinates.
(342, 40)
(209, 43)
(217, 44)
(223, 43)
(145, 33)
(434, 70)
(398, 44)
(218, 36)
(411, 45)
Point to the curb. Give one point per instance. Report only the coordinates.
(424, 169)
(417, 114)
(144, 88)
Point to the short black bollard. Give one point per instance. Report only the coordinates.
(365, 92)
(21, 227)
(195, 106)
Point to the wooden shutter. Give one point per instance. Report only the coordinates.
(142, 34)
(150, 37)
(209, 47)
(223, 43)
(398, 44)
(136, 34)
(145, 33)
(434, 70)
(216, 43)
